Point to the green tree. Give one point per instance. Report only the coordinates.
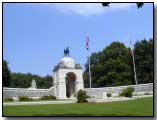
(110, 67)
(113, 66)
(143, 51)
(22, 80)
(6, 74)
(44, 82)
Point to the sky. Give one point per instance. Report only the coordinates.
(35, 34)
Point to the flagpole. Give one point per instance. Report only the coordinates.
(90, 85)
(87, 47)
(134, 70)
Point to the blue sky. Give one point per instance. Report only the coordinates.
(34, 35)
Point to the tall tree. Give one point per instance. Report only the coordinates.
(6, 74)
(144, 60)
(110, 67)
(113, 66)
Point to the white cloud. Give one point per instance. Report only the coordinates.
(89, 9)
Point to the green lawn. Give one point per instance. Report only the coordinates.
(138, 107)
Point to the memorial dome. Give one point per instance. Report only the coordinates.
(68, 62)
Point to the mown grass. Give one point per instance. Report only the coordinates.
(138, 107)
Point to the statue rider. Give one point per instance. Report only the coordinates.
(66, 52)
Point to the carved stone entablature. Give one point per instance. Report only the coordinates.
(78, 66)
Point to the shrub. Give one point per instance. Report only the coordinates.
(146, 93)
(81, 96)
(8, 99)
(109, 94)
(25, 98)
(48, 98)
(127, 92)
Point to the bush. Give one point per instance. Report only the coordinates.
(25, 98)
(127, 92)
(48, 98)
(81, 96)
(7, 99)
(109, 94)
(146, 93)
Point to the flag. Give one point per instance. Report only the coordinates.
(87, 42)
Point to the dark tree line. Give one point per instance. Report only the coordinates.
(113, 65)
(6, 74)
(144, 60)
(24, 80)
(21, 80)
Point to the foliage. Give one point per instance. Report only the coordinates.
(6, 74)
(8, 99)
(113, 66)
(105, 4)
(81, 96)
(146, 93)
(135, 107)
(48, 98)
(143, 52)
(109, 95)
(127, 92)
(110, 67)
(139, 4)
(22, 80)
(25, 98)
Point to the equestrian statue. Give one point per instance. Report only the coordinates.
(66, 52)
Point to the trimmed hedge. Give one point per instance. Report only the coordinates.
(109, 95)
(48, 98)
(25, 98)
(82, 96)
(127, 92)
(146, 93)
(8, 99)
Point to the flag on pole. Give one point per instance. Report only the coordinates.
(87, 42)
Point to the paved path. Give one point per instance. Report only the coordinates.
(110, 99)
(39, 102)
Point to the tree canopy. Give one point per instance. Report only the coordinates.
(144, 60)
(22, 80)
(6, 74)
(139, 4)
(113, 65)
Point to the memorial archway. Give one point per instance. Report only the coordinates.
(70, 84)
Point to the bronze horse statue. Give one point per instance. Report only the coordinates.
(66, 52)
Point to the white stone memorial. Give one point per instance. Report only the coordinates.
(33, 85)
(68, 79)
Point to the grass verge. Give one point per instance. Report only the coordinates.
(138, 107)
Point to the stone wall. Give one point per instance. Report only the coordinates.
(34, 93)
(100, 93)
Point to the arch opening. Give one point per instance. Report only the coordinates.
(70, 84)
